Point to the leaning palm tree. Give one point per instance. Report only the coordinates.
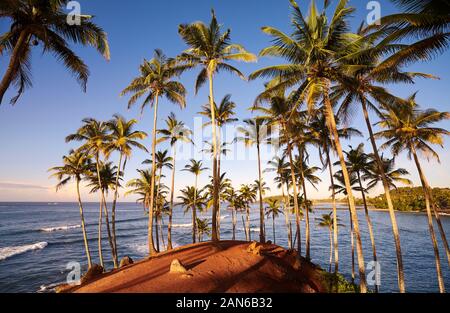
(175, 132)
(319, 51)
(196, 168)
(123, 139)
(95, 138)
(327, 221)
(77, 166)
(255, 133)
(248, 196)
(211, 50)
(408, 128)
(45, 22)
(273, 209)
(156, 80)
(141, 186)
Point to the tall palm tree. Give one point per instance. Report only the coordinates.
(327, 221)
(273, 209)
(393, 175)
(324, 142)
(156, 80)
(358, 162)
(194, 200)
(175, 132)
(123, 138)
(281, 168)
(318, 52)
(196, 168)
(248, 195)
(95, 138)
(255, 133)
(141, 186)
(45, 22)
(109, 174)
(211, 50)
(76, 166)
(234, 203)
(408, 128)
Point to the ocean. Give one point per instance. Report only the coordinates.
(39, 240)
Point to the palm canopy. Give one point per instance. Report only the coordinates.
(248, 193)
(108, 177)
(256, 131)
(211, 49)
(393, 175)
(195, 167)
(223, 112)
(175, 131)
(162, 159)
(339, 186)
(327, 221)
(273, 208)
(141, 186)
(76, 165)
(156, 79)
(36, 22)
(94, 134)
(407, 127)
(308, 172)
(191, 196)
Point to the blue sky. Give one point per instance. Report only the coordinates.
(32, 132)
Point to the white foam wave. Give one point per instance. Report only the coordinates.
(182, 225)
(8, 252)
(48, 288)
(57, 228)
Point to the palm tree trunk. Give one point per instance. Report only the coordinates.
(440, 227)
(172, 189)
(161, 232)
(354, 216)
(335, 224)
(233, 218)
(296, 208)
(286, 217)
(157, 233)
(352, 243)
(262, 236)
(14, 63)
(398, 249)
(156, 217)
(307, 229)
(430, 220)
(219, 145)
(245, 228)
(331, 250)
(249, 237)
(273, 228)
(194, 213)
(369, 223)
(83, 226)
(100, 250)
(113, 209)
(214, 233)
(151, 246)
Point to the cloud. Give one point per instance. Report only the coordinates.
(9, 185)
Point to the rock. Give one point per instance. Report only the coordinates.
(189, 275)
(269, 242)
(126, 260)
(254, 248)
(177, 267)
(63, 288)
(94, 272)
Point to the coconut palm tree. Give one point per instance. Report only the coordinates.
(175, 132)
(195, 200)
(95, 138)
(196, 168)
(211, 50)
(45, 23)
(156, 80)
(123, 138)
(141, 186)
(234, 203)
(76, 166)
(319, 51)
(327, 221)
(393, 175)
(104, 183)
(203, 228)
(324, 142)
(281, 168)
(408, 128)
(273, 209)
(255, 133)
(248, 195)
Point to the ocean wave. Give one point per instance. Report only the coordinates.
(182, 225)
(142, 248)
(8, 252)
(57, 228)
(50, 288)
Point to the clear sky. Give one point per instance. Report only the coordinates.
(32, 132)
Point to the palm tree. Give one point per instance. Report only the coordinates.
(45, 23)
(255, 133)
(95, 138)
(123, 138)
(196, 168)
(194, 200)
(109, 174)
(203, 228)
(318, 52)
(155, 81)
(234, 203)
(175, 131)
(358, 162)
(77, 166)
(393, 175)
(248, 195)
(327, 221)
(281, 168)
(273, 209)
(211, 50)
(408, 128)
(141, 186)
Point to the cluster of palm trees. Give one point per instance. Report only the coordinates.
(329, 72)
